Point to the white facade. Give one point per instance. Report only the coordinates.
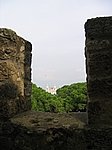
(51, 90)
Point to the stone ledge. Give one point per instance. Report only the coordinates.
(47, 131)
(45, 120)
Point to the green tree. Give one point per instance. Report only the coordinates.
(75, 95)
(44, 101)
(68, 98)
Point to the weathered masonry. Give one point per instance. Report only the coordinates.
(24, 129)
(99, 69)
(15, 74)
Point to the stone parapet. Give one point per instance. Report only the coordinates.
(34, 130)
(15, 74)
(98, 53)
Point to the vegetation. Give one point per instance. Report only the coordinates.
(44, 101)
(68, 98)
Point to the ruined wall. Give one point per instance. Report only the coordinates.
(15, 74)
(99, 69)
(32, 130)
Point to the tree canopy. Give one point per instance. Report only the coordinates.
(75, 96)
(68, 98)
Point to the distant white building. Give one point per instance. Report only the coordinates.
(51, 90)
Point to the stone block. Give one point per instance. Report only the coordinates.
(98, 53)
(15, 74)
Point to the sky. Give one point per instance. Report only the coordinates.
(56, 30)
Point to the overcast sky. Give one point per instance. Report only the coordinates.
(56, 30)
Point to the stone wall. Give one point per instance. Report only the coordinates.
(32, 130)
(15, 74)
(99, 69)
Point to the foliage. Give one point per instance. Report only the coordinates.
(69, 98)
(44, 101)
(75, 95)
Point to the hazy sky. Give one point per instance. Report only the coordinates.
(56, 30)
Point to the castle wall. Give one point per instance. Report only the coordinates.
(15, 74)
(33, 130)
(98, 53)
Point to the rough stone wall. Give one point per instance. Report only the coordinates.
(32, 130)
(15, 74)
(99, 69)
